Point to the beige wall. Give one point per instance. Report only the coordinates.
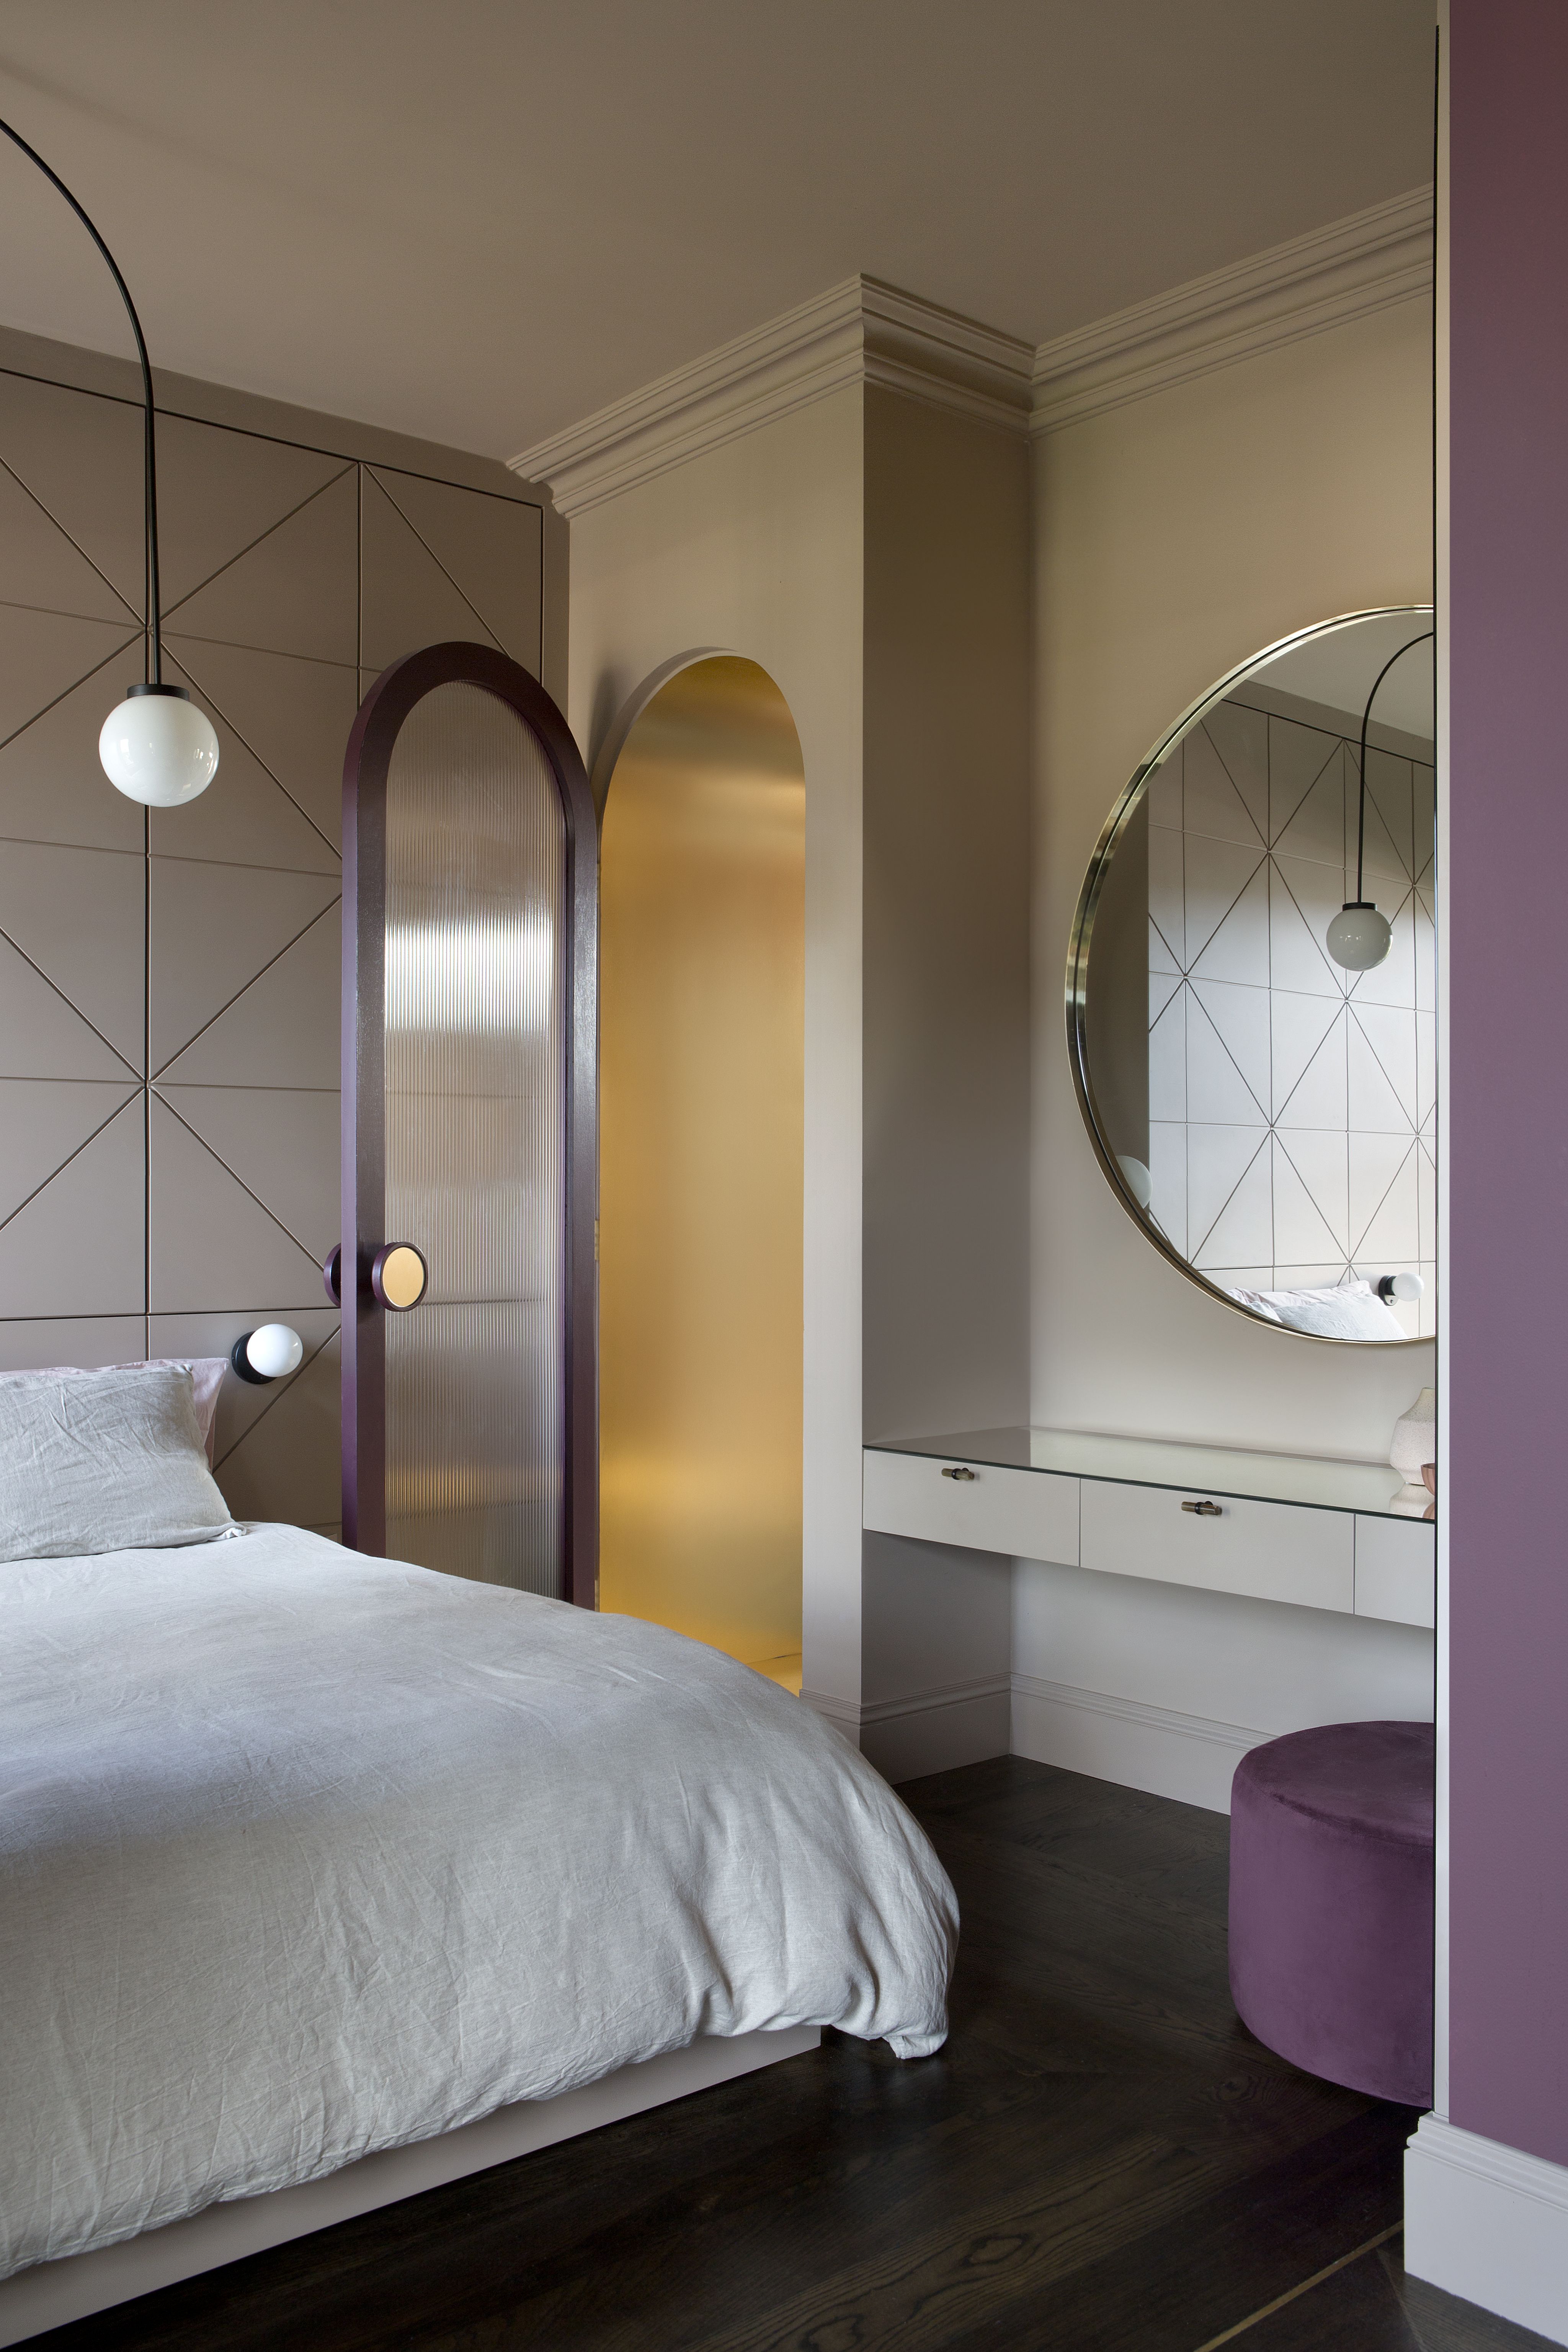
(946, 915)
(755, 549)
(871, 554)
(170, 982)
(1175, 536)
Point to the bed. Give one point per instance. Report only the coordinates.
(309, 1856)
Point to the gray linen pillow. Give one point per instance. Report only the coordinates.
(109, 1461)
(206, 1371)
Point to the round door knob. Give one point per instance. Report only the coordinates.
(399, 1275)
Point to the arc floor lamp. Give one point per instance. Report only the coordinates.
(156, 747)
(1358, 936)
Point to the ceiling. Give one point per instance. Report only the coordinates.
(479, 220)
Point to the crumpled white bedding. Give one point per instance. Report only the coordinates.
(304, 1854)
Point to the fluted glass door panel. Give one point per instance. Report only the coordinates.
(475, 992)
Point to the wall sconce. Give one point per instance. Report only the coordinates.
(157, 748)
(1358, 936)
(1407, 1287)
(267, 1354)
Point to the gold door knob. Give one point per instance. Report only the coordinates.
(399, 1275)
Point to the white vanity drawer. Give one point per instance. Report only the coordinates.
(1397, 1570)
(1033, 1513)
(1270, 1551)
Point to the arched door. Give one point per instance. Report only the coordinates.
(470, 1127)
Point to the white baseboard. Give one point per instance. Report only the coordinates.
(1489, 2223)
(51, 2294)
(1187, 1756)
(937, 1730)
(844, 1712)
(928, 1730)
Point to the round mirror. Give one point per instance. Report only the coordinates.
(1252, 985)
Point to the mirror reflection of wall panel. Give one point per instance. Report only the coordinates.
(1282, 1082)
(702, 1171)
(471, 1397)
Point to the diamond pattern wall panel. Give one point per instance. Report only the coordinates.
(281, 1028)
(45, 1123)
(489, 549)
(292, 715)
(1292, 1105)
(410, 598)
(211, 934)
(44, 655)
(292, 590)
(51, 781)
(217, 928)
(79, 916)
(77, 1245)
(255, 821)
(38, 565)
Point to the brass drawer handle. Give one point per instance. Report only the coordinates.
(958, 1474)
(1205, 1510)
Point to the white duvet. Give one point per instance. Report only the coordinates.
(304, 1854)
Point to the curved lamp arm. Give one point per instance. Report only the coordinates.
(1365, 717)
(1360, 936)
(157, 748)
(153, 625)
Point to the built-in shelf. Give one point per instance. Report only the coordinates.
(1342, 1536)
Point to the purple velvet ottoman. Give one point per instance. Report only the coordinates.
(1332, 1902)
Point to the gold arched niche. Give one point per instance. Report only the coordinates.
(701, 1166)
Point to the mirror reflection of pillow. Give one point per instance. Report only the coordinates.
(1345, 1310)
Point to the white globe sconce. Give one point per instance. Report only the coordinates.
(1358, 936)
(269, 1353)
(157, 748)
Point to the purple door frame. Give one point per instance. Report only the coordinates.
(366, 766)
(1506, 1108)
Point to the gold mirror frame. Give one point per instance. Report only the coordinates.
(1082, 940)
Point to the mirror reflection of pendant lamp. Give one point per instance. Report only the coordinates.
(157, 747)
(1359, 935)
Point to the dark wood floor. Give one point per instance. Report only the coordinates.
(1101, 2161)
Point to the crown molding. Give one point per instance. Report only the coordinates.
(1365, 263)
(859, 332)
(864, 332)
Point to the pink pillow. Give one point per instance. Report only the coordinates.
(206, 1375)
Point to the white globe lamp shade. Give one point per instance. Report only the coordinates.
(1358, 936)
(1136, 1178)
(271, 1353)
(158, 748)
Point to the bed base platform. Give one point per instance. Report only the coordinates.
(50, 2293)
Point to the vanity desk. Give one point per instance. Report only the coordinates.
(1344, 1536)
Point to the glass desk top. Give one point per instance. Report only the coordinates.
(1367, 1487)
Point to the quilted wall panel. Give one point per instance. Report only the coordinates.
(169, 980)
(1293, 1104)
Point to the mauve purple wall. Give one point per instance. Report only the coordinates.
(1507, 1100)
